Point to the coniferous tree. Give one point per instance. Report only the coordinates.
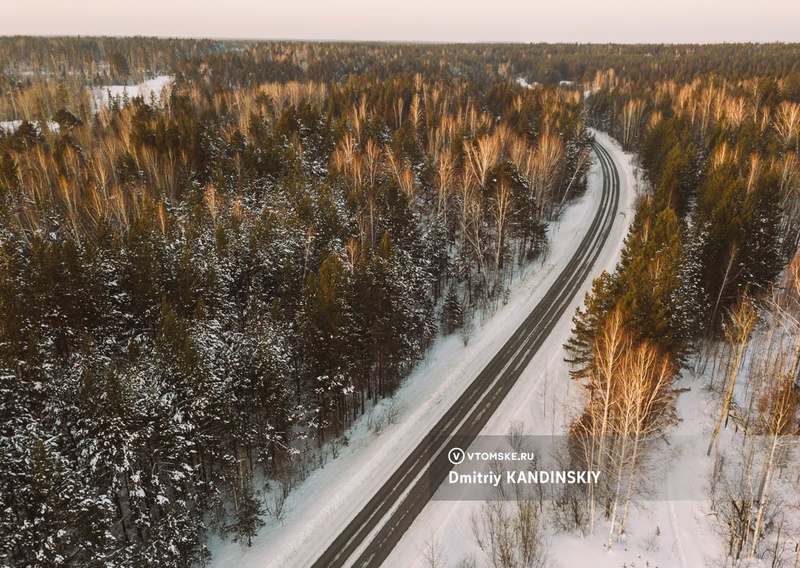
(452, 312)
(247, 519)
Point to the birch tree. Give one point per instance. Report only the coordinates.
(743, 318)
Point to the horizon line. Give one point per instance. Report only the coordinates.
(396, 41)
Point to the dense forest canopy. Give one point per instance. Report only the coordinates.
(201, 288)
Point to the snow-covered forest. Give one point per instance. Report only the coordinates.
(202, 286)
(707, 287)
(205, 284)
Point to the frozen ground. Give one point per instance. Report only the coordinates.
(330, 497)
(154, 86)
(677, 533)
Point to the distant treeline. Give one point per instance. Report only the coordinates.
(247, 63)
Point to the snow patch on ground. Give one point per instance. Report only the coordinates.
(677, 532)
(100, 97)
(523, 83)
(155, 87)
(10, 126)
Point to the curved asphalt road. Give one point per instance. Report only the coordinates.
(398, 502)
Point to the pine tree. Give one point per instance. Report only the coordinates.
(678, 180)
(247, 519)
(719, 211)
(588, 321)
(324, 318)
(762, 257)
(651, 302)
(452, 312)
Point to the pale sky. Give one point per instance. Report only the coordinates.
(625, 21)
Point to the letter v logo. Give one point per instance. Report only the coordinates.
(456, 456)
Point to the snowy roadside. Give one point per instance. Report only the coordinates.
(677, 533)
(330, 497)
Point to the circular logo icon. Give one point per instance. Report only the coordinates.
(456, 456)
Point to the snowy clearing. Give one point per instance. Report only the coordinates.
(154, 87)
(100, 97)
